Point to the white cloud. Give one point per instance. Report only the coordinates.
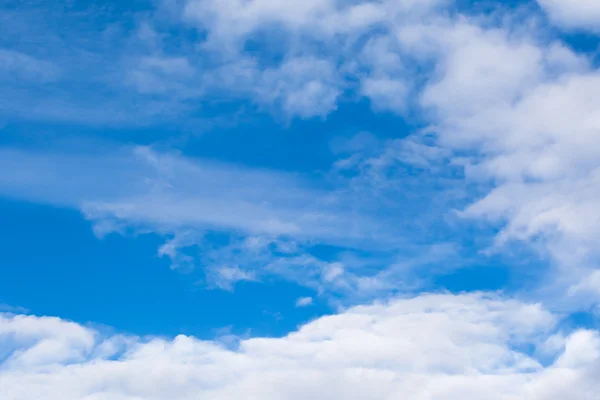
(316, 41)
(478, 69)
(386, 81)
(120, 187)
(36, 342)
(268, 221)
(166, 190)
(300, 74)
(225, 277)
(581, 14)
(385, 93)
(230, 21)
(521, 114)
(305, 87)
(518, 111)
(304, 302)
(432, 346)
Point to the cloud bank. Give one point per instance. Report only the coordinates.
(428, 347)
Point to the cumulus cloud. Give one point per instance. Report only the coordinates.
(431, 346)
(300, 74)
(516, 111)
(305, 87)
(230, 22)
(578, 14)
(522, 114)
(316, 44)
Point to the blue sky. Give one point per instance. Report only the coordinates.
(245, 185)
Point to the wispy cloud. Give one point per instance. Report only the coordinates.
(304, 302)
(268, 221)
(7, 308)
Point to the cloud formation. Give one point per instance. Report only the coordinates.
(267, 221)
(431, 346)
(521, 113)
(503, 119)
(149, 188)
(574, 14)
(496, 96)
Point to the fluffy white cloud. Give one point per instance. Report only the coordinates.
(522, 114)
(584, 14)
(429, 347)
(228, 22)
(317, 43)
(305, 87)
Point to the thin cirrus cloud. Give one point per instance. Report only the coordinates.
(272, 219)
(167, 190)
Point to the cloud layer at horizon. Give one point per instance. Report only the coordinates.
(381, 351)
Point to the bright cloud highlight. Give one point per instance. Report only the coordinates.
(428, 347)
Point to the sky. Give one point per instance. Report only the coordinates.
(299, 199)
